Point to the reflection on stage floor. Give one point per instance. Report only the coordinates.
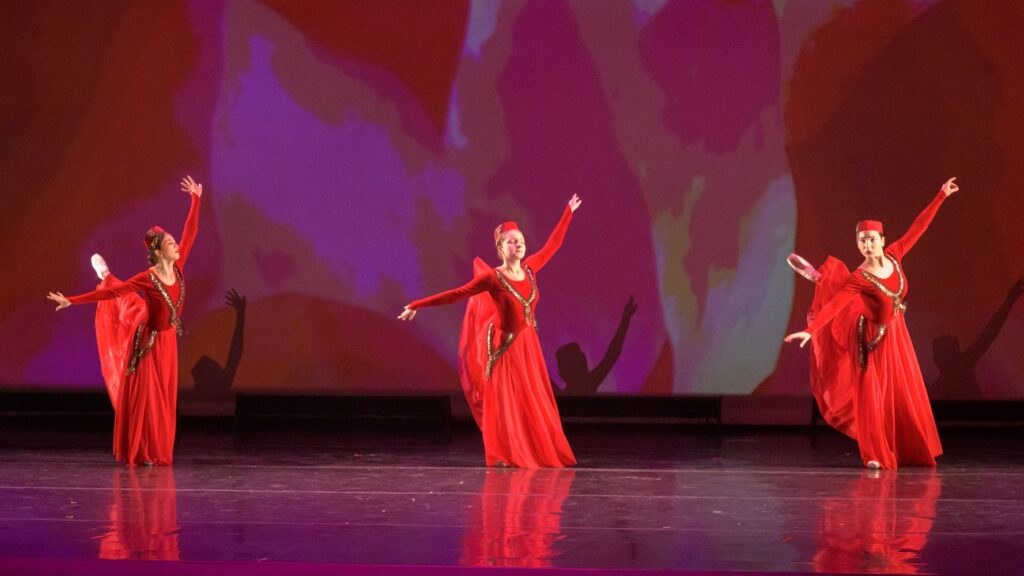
(663, 499)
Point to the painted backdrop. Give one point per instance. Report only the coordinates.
(357, 155)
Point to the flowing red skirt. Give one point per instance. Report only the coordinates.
(884, 407)
(514, 408)
(145, 401)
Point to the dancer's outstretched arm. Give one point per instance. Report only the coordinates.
(136, 283)
(540, 258)
(900, 247)
(188, 235)
(850, 290)
(481, 283)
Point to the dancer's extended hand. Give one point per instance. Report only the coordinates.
(803, 337)
(575, 202)
(59, 298)
(407, 314)
(192, 187)
(950, 187)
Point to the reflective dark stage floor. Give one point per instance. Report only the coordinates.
(403, 501)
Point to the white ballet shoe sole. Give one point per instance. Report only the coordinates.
(100, 266)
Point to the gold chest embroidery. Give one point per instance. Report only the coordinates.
(527, 303)
(174, 308)
(140, 348)
(898, 305)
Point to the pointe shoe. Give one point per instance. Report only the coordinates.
(803, 268)
(874, 465)
(100, 266)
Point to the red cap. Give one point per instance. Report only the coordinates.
(869, 225)
(502, 228)
(151, 235)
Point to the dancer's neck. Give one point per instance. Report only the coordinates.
(513, 268)
(164, 269)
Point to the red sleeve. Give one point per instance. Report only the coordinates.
(843, 297)
(480, 283)
(900, 247)
(188, 235)
(137, 283)
(540, 258)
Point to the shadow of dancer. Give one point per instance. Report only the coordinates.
(957, 379)
(572, 362)
(213, 383)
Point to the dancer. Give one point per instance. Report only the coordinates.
(137, 340)
(864, 371)
(500, 361)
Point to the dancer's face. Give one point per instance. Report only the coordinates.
(513, 246)
(169, 249)
(870, 243)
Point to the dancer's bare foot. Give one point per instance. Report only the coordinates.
(874, 465)
(100, 266)
(803, 267)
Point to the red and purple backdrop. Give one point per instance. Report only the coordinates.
(357, 155)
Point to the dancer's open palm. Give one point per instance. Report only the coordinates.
(192, 187)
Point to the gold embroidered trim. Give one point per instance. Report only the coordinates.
(898, 304)
(864, 347)
(492, 354)
(175, 318)
(527, 303)
(139, 350)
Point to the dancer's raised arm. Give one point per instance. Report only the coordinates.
(900, 247)
(188, 234)
(540, 258)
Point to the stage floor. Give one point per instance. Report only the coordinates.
(383, 501)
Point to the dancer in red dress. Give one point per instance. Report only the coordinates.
(137, 341)
(500, 361)
(864, 371)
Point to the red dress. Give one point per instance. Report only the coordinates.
(137, 341)
(502, 367)
(864, 371)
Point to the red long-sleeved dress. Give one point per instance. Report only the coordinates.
(501, 364)
(864, 371)
(138, 346)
